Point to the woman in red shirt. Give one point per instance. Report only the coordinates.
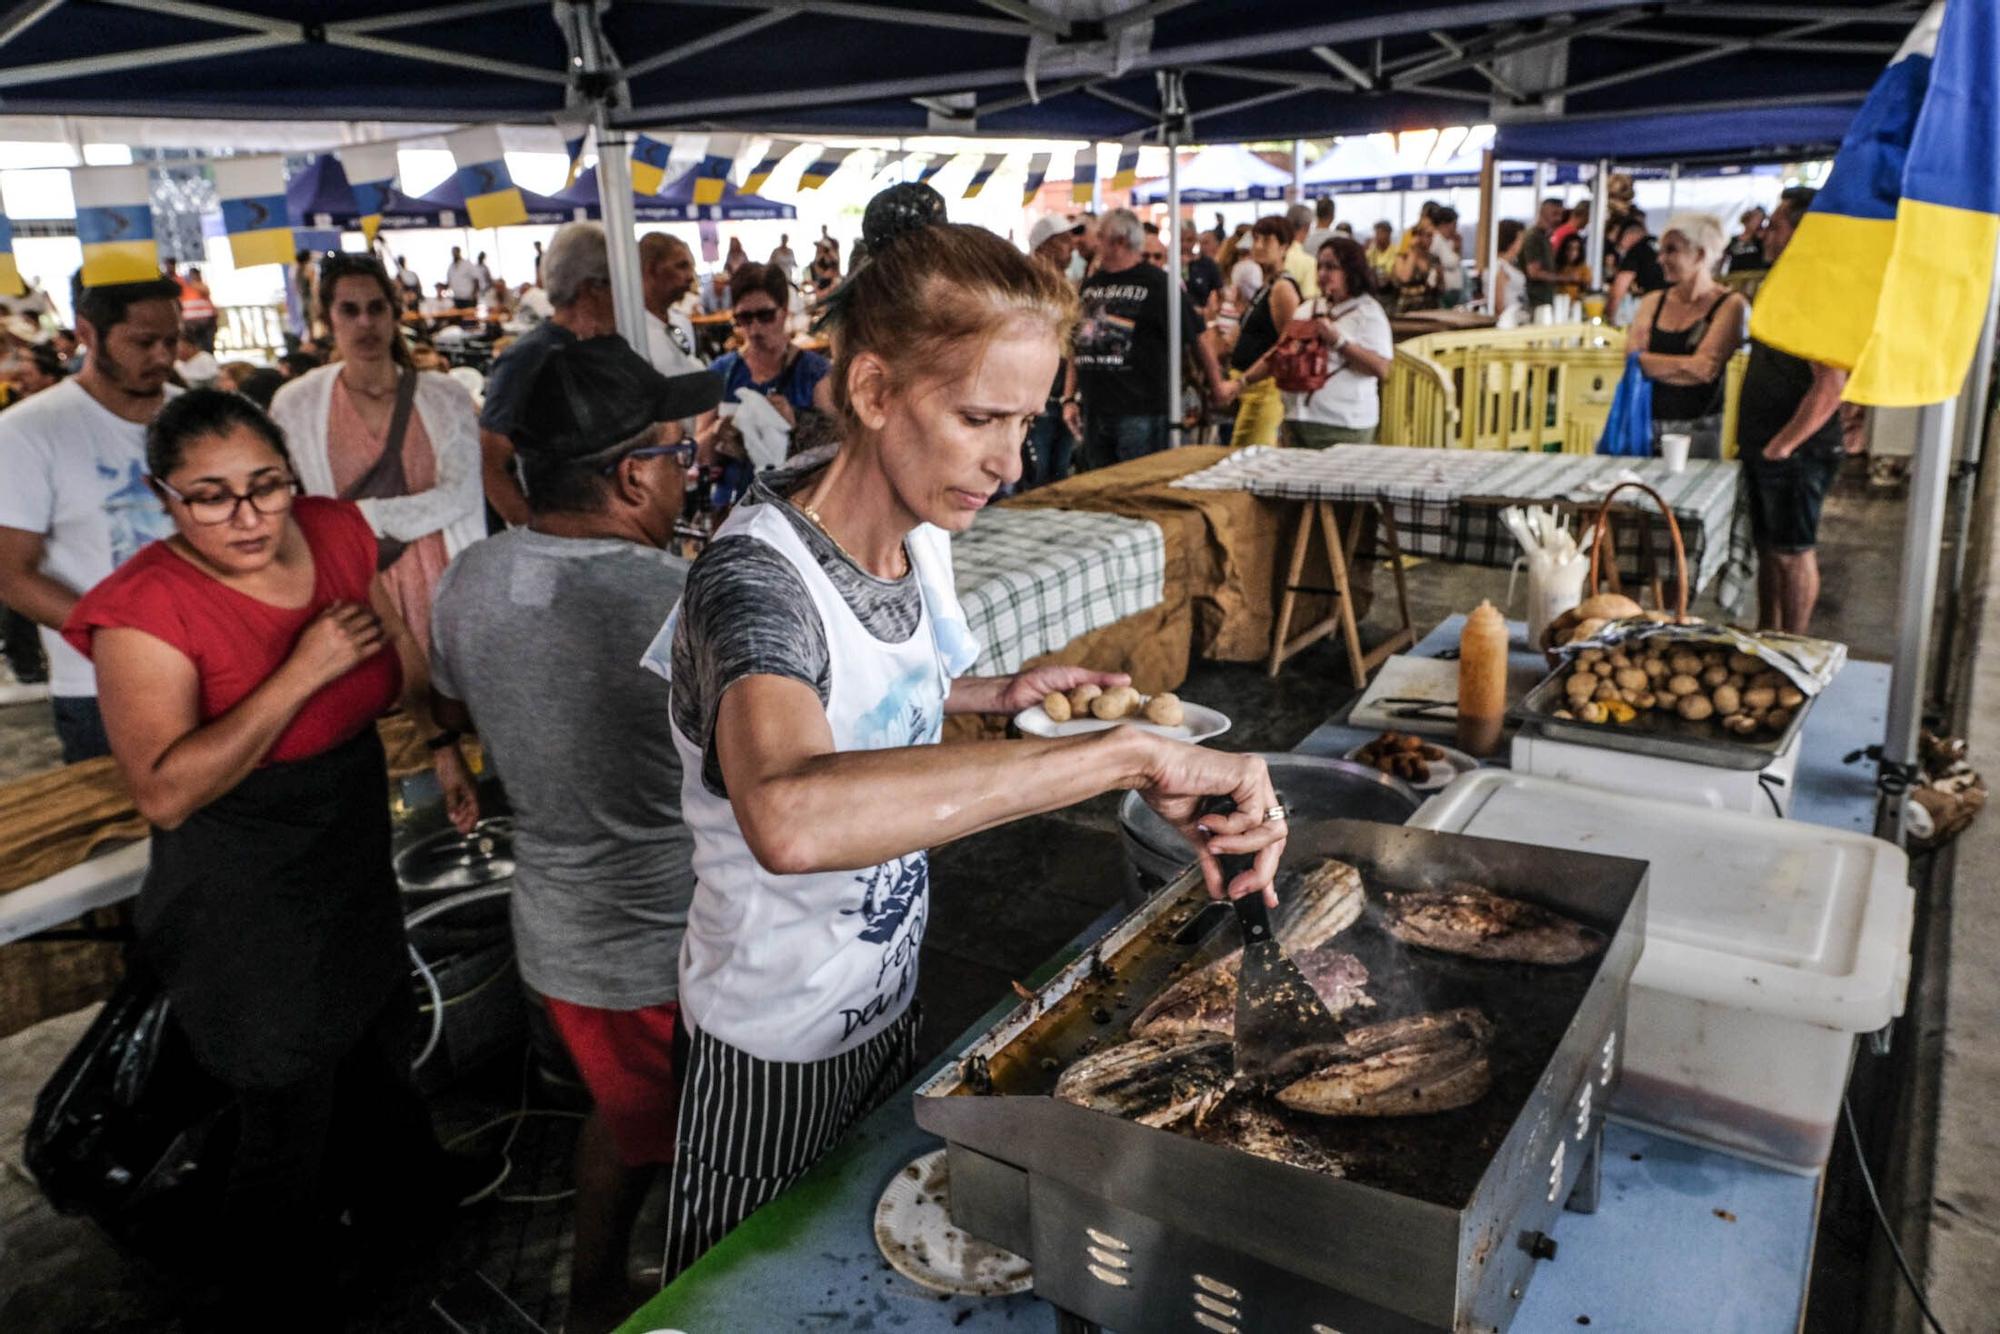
(241, 666)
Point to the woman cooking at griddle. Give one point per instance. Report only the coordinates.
(816, 649)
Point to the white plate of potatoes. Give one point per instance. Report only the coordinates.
(1092, 709)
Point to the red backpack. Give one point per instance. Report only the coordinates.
(1301, 363)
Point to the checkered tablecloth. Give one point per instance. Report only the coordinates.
(1447, 502)
(1033, 580)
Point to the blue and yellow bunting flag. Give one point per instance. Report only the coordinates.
(1083, 177)
(491, 197)
(573, 141)
(822, 167)
(371, 174)
(10, 271)
(779, 150)
(983, 173)
(649, 163)
(1127, 174)
(938, 162)
(1038, 170)
(713, 173)
(114, 223)
(1889, 275)
(252, 194)
(892, 162)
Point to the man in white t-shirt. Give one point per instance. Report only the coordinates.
(74, 499)
(783, 257)
(462, 278)
(1322, 231)
(666, 271)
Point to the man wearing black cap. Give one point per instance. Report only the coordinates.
(536, 637)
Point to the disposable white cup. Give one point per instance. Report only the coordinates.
(1552, 590)
(1674, 448)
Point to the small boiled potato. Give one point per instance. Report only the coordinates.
(1759, 698)
(1655, 668)
(1602, 667)
(1683, 684)
(1080, 697)
(1736, 681)
(1713, 657)
(1685, 663)
(1056, 705)
(1790, 697)
(1743, 664)
(1590, 655)
(1727, 699)
(1620, 659)
(1694, 708)
(1714, 676)
(1778, 719)
(1581, 686)
(1742, 724)
(1165, 710)
(1563, 714)
(1604, 692)
(1630, 678)
(1117, 702)
(1592, 712)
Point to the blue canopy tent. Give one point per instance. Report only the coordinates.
(675, 202)
(1752, 134)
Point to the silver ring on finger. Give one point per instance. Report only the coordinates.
(1275, 815)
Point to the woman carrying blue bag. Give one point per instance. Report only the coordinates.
(1683, 336)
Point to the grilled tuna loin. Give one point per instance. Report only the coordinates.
(1154, 1081)
(1205, 1000)
(1404, 1067)
(1465, 919)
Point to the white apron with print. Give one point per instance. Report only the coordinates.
(804, 967)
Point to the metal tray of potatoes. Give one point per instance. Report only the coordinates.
(1664, 736)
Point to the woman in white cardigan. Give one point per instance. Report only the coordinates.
(424, 498)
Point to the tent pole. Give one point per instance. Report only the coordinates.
(1917, 599)
(1600, 201)
(1489, 223)
(1673, 185)
(614, 196)
(1298, 172)
(1174, 279)
(1968, 448)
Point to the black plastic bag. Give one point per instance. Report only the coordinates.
(130, 1130)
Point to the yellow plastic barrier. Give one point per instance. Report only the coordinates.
(1541, 388)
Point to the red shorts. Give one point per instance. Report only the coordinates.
(626, 1058)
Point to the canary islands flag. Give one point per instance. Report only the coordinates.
(371, 176)
(1127, 174)
(1083, 180)
(938, 162)
(779, 150)
(573, 149)
(822, 168)
(1038, 170)
(252, 193)
(983, 173)
(713, 173)
(491, 197)
(649, 163)
(1890, 272)
(10, 272)
(114, 222)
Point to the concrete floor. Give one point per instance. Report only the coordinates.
(1002, 903)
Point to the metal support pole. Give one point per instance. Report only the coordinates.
(1917, 600)
(1298, 172)
(1968, 448)
(1673, 185)
(614, 193)
(1174, 279)
(1600, 202)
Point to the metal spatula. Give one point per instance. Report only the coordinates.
(1277, 1010)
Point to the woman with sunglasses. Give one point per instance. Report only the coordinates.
(241, 666)
(791, 379)
(373, 429)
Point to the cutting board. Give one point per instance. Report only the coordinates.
(1406, 677)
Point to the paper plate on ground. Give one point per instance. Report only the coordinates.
(917, 1238)
(1442, 771)
(1198, 723)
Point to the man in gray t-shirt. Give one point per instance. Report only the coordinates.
(536, 638)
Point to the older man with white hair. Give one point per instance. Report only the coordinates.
(1122, 352)
(576, 275)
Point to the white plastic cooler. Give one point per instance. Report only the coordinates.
(1769, 946)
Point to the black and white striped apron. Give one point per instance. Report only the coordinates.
(750, 1128)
